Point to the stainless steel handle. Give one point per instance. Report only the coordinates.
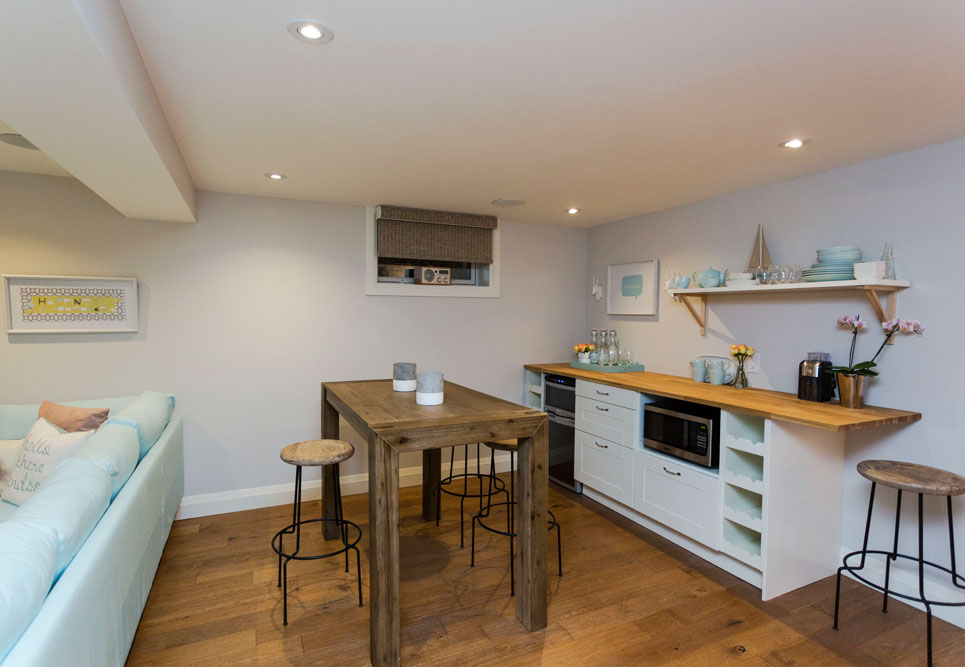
(603, 446)
(670, 472)
(602, 393)
(602, 409)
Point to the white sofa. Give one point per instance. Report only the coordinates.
(91, 612)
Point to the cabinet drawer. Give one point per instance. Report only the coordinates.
(605, 420)
(600, 392)
(605, 466)
(677, 496)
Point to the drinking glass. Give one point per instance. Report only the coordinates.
(626, 356)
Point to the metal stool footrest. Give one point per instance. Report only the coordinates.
(276, 541)
(958, 580)
(550, 524)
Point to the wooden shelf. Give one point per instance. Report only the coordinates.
(696, 298)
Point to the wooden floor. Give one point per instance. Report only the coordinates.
(626, 597)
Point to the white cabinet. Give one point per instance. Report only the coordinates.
(612, 395)
(605, 466)
(677, 495)
(607, 420)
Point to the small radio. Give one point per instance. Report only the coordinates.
(430, 275)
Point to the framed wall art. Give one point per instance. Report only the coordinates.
(69, 304)
(632, 288)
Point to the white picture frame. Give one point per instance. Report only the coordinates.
(69, 304)
(632, 288)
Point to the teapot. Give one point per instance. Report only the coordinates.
(710, 277)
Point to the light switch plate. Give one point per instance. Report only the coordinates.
(753, 364)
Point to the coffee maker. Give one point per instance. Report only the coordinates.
(815, 380)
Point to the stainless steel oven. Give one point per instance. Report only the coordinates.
(689, 431)
(559, 403)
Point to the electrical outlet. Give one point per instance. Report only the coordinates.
(753, 364)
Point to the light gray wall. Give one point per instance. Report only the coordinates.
(245, 313)
(917, 201)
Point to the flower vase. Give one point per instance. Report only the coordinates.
(740, 377)
(583, 357)
(851, 389)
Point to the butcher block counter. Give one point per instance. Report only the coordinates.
(760, 402)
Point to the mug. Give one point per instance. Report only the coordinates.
(716, 375)
(715, 363)
(699, 370)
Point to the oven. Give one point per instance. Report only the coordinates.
(689, 431)
(559, 403)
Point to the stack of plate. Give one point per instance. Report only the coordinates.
(869, 271)
(740, 280)
(833, 264)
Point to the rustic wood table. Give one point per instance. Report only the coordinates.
(392, 423)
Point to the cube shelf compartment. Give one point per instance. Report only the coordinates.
(742, 543)
(743, 507)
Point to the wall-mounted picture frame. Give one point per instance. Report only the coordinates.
(632, 288)
(69, 304)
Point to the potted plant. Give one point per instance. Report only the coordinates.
(583, 352)
(851, 378)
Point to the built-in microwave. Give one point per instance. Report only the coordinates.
(689, 431)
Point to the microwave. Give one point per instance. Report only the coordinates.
(686, 430)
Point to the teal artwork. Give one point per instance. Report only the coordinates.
(632, 286)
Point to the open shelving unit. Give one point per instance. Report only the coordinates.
(696, 298)
(743, 493)
(533, 389)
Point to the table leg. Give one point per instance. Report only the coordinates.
(431, 474)
(329, 431)
(384, 552)
(531, 529)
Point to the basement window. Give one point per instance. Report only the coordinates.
(420, 252)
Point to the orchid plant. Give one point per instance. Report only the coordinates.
(890, 328)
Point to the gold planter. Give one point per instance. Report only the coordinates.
(851, 389)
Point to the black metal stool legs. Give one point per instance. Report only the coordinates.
(864, 551)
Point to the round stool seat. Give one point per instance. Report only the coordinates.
(317, 452)
(913, 477)
(509, 445)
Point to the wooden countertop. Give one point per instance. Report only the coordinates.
(761, 402)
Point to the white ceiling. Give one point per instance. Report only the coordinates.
(619, 107)
(15, 158)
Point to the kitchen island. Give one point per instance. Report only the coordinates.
(771, 513)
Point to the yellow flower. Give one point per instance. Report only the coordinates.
(576, 348)
(750, 351)
(592, 346)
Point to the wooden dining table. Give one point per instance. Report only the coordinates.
(391, 423)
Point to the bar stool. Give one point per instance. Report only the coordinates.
(510, 446)
(922, 480)
(447, 485)
(315, 453)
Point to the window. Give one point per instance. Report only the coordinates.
(407, 250)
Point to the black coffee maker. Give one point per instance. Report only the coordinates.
(815, 381)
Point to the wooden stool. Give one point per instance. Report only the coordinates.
(922, 480)
(315, 453)
(510, 446)
(447, 485)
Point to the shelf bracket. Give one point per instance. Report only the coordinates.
(700, 317)
(883, 312)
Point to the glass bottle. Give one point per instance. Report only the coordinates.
(604, 357)
(594, 354)
(888, 257)
(613, 351)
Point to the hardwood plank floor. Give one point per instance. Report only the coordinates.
(627, 597)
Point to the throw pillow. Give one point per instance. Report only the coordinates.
(9, 453)
(43, 449)
(73, 419)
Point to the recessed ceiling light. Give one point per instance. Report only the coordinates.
(794, 143)
(275, 176)
(508, 201)
(311, 31)
(572, 211)
(17, 140)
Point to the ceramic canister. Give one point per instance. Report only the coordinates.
(403, 376)
(429, 389)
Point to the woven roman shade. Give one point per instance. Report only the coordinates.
(417, 233)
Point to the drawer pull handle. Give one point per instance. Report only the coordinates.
(599, 445)
(670, 472)
(602, 393)
(602, 409)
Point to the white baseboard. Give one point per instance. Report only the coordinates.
(904, 579)
(206, 504)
